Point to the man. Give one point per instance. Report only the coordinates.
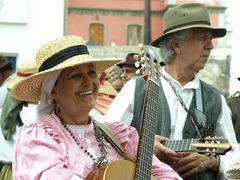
(234, 104)
(128, 67)
(183, 112)
(15, 113)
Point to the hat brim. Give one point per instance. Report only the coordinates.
(125, 63)
(12, 82)
(29, 89)
(216, 32)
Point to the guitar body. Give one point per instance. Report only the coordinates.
(116, 170)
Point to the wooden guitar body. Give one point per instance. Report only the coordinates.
(116, 170)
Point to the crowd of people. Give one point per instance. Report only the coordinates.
(69, 115)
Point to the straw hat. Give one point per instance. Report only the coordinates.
(64, 52)
(23, 70)
(105, 86)
(186, 16)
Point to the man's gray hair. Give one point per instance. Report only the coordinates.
(166, 50)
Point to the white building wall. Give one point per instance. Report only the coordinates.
(25, 25)
(233, 13)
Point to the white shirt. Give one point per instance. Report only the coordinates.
(122, 109)
(28, 115)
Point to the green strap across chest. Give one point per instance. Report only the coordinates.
(112, 139)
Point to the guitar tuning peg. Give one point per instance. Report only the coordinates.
(138, 71)
(136, 57)
(137, 64)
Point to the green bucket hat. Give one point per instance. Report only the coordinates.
(186, 16)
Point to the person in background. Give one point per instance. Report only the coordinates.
(232, 170)
(188, 107)
(66, 142)
(14, 114)
(128, 67)
(6, 71)
(234, 104)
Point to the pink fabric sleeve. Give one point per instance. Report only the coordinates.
(128, 137)
(39, 155)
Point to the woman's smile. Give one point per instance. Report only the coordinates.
(85, 93)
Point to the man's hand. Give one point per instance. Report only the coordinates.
(192, 163)
(185, 163)
(163, 153)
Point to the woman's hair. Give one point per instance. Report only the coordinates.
(166, 50)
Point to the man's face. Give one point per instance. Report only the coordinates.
(128, 71)
(194, 52)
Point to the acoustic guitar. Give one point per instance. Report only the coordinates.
(141, 169)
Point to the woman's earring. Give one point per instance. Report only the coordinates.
(58, 110)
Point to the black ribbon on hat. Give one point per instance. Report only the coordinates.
(186, 24)
(63, 55)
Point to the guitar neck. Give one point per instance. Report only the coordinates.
(148, 129)
(179, 145)
(208, 145)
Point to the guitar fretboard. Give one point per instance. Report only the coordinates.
(208, 145)
(148, 129)
(179, 145)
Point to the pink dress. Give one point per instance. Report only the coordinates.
(46, 150)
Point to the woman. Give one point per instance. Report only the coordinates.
(65, 142)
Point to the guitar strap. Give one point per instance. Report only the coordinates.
(201, 117)
(112, 139)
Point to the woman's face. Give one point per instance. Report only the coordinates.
(76, 89)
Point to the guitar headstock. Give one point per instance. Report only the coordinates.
(114, 73)
(211, 145)
(148, 63)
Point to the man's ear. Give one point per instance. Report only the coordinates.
(176, 47)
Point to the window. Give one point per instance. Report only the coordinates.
(96, 34)
(134, 35)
